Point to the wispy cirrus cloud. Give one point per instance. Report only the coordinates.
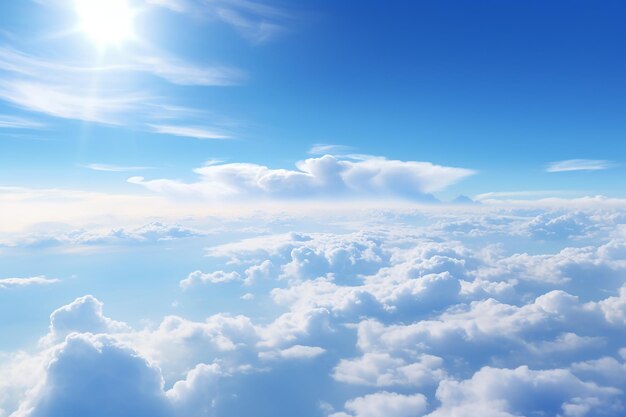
(195, 132)
(172, 69)
(579, 165)
(68, 102)
(65, 91)
(13, 122)
(98, 93)
(23, 282)
(324, 148)
(257, 21)
(183, 73)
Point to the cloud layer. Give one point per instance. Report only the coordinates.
(431, 315)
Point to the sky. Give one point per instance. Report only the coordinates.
(326, 209)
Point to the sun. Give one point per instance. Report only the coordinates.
(105, 21)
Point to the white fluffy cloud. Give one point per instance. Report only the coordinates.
(95, 376)
(383, 370)
(83, 315)
(408, 315)
(614, 308)
(385, 404)
(216, 277)
(293, 352)
(323, 177)
(493, 392)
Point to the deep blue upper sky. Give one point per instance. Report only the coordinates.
(502, 87)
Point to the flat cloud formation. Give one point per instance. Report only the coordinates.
(397, 318)
(325, 177)
(22, 282)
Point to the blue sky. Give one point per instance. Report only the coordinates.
(503, 89)
(219, 208)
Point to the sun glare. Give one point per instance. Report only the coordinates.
(105, 21)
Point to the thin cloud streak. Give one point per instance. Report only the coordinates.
(189, 132)
(579, 165)
(69, 91)
(114, 168)
(171, 69)
(258, 22)
(12, 122)
(323, 149)
(527, 194)
(182, 73)
(68, 102)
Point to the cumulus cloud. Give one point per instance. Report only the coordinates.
(324, 177)
(407, 315)
(614, 308)
(178, 344)
(383, 370)
(216, 277)
(193, 396)
(497, 392)
(83, 315)
(95, 376)
(385, 404)
(293, 352)
(607, 369)
(552, 226)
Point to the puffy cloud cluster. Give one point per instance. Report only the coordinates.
(385, 404)
(83, 315)
(95, 376)
(496, 392)
(392, 320)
